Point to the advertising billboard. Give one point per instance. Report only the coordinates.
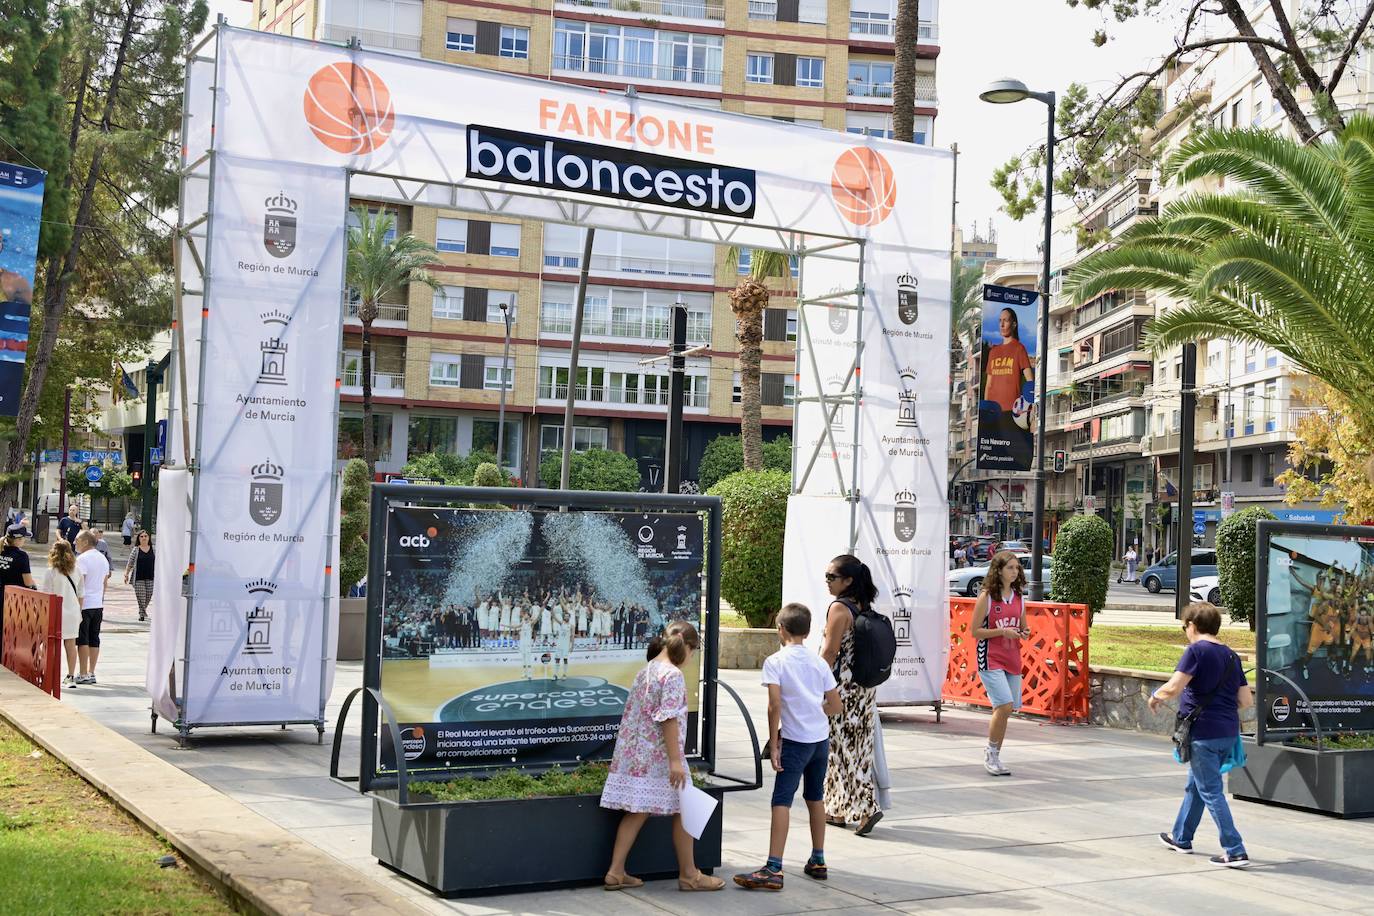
(516, 635)
(21, 209)
(1315, 628)
(1006, 380)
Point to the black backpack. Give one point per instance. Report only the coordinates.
(875, 646)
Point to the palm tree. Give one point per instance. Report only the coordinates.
(748, 300)
(965, 300)
(1286, 262)
(907, 35)
(377, 267)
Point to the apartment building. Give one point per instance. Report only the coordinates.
(439, 364)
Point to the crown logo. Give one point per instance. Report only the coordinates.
(280, 204)
(906, 281)
(261, 586)
(267, 471)
(906, 498)
(275, 317)
(901, 593)
(907, 375)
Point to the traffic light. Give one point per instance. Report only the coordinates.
(1061, 460)
(136, 472)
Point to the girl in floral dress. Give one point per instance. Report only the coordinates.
(650, 761)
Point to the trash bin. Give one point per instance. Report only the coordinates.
(40, 529)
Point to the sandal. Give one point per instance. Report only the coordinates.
(624, 882)
(837, 822)
(702, 882)
(869, 823)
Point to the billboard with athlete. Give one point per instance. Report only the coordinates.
(511, 635)
(1006, 388)
(1315, 627)
(21, 209)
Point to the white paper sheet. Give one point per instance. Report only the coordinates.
(697, 808)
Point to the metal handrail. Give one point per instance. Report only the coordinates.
(402, 776)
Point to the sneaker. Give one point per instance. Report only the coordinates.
(816, 870)
(85, 679)
(765, 879)
(1230, 861)
(69, 681)
(1168, 840)
(992, 762)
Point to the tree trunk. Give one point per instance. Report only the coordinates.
(369, 449)
(748, 301)
(60, 270)
(1282, 94)
(907, 36)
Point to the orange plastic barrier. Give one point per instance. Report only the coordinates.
(1054, 680)
(32, 644)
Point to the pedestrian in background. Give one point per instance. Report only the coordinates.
(70, 526)
(63, 578)
(1214, 691)
(1131, 558)
(139, 570)
(14, 564)
(95, 572)
(127, 529)
(101, 546)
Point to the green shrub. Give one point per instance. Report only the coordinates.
(1082, 562)
(488, 475)
(594, 469)
(449, 469)
(753, 516)
(587, 779)
(1236, 561)
(724, 455)
(354, 511)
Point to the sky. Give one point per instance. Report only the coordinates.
(1046, 45)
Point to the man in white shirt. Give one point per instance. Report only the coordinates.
(802, 694)
(95, 572)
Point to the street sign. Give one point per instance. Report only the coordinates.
(94, 473)
(155, 455)
(94, 485)
(161, 435)
(1199, 528)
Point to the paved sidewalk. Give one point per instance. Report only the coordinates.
(1072, 830)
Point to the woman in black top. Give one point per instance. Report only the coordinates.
(140, 569)
(14, 562)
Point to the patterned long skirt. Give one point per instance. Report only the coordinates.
(850, 790)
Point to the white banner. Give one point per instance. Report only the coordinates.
(265, 505)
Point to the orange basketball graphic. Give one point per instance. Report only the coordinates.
(863, 186)
(348, 108)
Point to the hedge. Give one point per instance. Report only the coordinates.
(354, 510)
(450, 469)
(488, 475)
(753, 516)
(724, 455)
(594, 469)
(1082, 562)
(1236, 561)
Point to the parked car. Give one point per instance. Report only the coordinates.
(1206, 588)
(969, 581)
(1164, 574)
(1013, 546)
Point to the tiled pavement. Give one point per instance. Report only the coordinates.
(1073, 830)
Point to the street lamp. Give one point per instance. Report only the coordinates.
(505, 374)
(1004, 92)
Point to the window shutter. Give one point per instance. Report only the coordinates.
(488, 37)
(788, 10)
(772, 388)
(475, 303)
(472, 371)
(774, 324)
(479, 236)
(785, 65)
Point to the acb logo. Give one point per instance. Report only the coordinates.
(414, 540)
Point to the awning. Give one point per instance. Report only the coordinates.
(1124, 367)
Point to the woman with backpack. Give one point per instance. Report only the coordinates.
(999, 625)
(851, 791)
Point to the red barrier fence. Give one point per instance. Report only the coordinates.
(32, 643)
(1054, 680)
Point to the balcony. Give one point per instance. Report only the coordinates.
(862, 27)
(677, 9)
(763, 9)
(610, 263)
(628, 70)
(698, 329)
(382, 382)
(386, 311)
(602, 394)
(372, 39)
(882, 92)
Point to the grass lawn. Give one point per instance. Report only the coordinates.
(64, 848)
(1154, 648)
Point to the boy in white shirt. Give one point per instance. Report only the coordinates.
(802, 694)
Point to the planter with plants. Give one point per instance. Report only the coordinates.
(1334, 776)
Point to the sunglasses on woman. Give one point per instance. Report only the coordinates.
(831, 577)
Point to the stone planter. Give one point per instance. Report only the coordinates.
(746, 647)
(352, 629)
(1332, 781)
(483, 847)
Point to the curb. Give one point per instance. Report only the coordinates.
(255, 862)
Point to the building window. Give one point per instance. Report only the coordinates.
(448, 302)
(515, 42)
(461, 35)
(811, 11)
(495, 298)
(351, 436)
(811, 72)
(637, 53)
(1271, 406)
(870, 22)
(584, 438)
(432, 434)
(1251, 410)
(1235, 113)
(1247, 468)
(746, 257)
(492, 375)
(484, 440)
(352, 221)
(446, 370)
(791, 324)
(451, 234)
(1270, 464)
(870, 79)
(759, 69)
(873, 124)
(505, 240)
